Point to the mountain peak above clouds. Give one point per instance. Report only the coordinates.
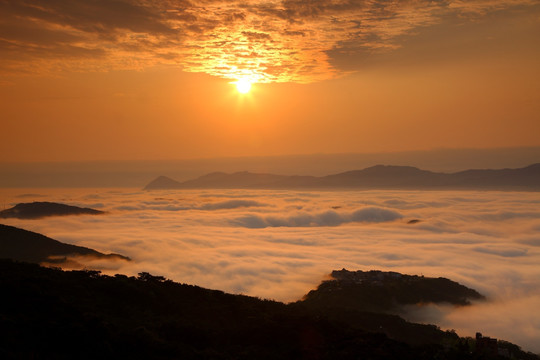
(374, 177)
(162, 182)
(387, 292)
(40, 209)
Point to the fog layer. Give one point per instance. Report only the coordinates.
(281, 244)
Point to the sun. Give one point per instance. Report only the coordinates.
(243, 86)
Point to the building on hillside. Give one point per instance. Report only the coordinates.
(486, 345)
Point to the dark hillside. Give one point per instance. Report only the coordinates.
(48, 313)
(379, 291)
(24, 245)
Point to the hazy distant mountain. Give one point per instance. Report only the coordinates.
(244, 178)
(133, 173)
(163, 182)
(379, 291)
(375, 177)
(36, 210)
(23, 245)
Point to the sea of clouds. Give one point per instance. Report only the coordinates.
(281, 244)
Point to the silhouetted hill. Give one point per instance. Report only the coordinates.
(23, 245)
(375, 177)
(50, 313)
(36, 210)
(387, 292)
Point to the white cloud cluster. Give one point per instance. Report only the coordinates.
(281, 244)
(326, 218)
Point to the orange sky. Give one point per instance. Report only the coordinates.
(140, 79)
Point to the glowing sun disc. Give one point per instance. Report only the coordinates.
(243, 86)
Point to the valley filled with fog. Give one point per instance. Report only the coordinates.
(281, 244)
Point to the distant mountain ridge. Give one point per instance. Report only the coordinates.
(375, 177)
(40, 209)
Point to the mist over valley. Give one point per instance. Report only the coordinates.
(280, 244)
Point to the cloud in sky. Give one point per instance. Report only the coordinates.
(259, 242)
(266, 41)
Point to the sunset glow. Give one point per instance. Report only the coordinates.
(366, 76)
(254, 147)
